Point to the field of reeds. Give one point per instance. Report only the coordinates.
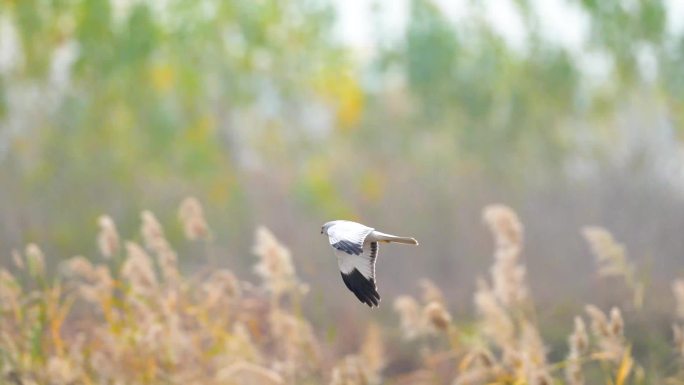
(131, 316)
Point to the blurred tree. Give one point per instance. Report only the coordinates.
(152, 95)
(103, 102)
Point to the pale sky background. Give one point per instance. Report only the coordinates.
(562, 20)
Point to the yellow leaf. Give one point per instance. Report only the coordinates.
(162, 77)
(350, 103)
(56, 322)
(343, 91)
(625, 367)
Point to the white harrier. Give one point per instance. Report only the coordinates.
(356, 248)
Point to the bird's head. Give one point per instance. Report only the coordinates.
(326, 226)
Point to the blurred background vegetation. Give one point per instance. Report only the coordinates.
(269, 115)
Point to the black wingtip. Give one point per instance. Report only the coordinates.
(364, 288)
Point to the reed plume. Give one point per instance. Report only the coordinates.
(35, 260)
(612, 261)
(350, 371)
(192, 217)
(139, 319)
(410, 317)
(108, 238)
(608, 332)
(508, 275)
(138, 269)
(505, 225)
(437, 316)
(578, 343)
(495, 321)
(275, 265)
(11, 290)
(478, 366)
(430, 292)
(504, 306)
(245, 373)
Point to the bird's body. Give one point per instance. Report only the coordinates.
(356, 248)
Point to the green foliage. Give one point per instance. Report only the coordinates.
(501, 106)
(150, 100)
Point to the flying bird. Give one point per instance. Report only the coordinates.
(356, 248)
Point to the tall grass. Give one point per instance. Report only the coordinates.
(135, 318)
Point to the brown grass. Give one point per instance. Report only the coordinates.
(134, 318)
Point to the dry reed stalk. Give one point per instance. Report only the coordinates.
(275, 265)
(138, 269)
(495, 321)
(214, 330)
(295, 340)
(478, 366)
(505, 225)
(350, 371)
(508, 278)
(611, 258)
(372, 353)
(11, 290)
(94, 283)
(578, 342)
(146, 334)
(35, 260)
(61, 370)
(245, 373)
(221, 285)
(410, 317)
(192, 217)
(508, 275)
(108, 238)
(239, 345)
(430, 292)
(610, 255)
(18, 260)
(437, 317)
(678, 340)
(505, 309)
(155, 240)
(608, 332)
(532, 351)
(678, 291)
(152, 231)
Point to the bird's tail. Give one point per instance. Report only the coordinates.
(382, 237)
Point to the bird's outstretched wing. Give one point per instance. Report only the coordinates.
(348, 237)
(357, 264)
(358, 274)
